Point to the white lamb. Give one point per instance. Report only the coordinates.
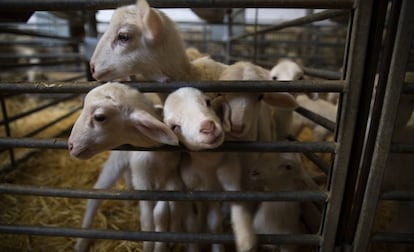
(115, 114)
(190, 114)
(250, 113)
(280, 172)
(142, 40)
(285, 70)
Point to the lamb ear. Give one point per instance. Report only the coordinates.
(153, 128)
(222, 109)
(281, 100)
(149, 21)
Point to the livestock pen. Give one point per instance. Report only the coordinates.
(366, 57)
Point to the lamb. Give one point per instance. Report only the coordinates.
(115, 114)
(249, 113)
(285, 70)
(280, 172)
(200, 128)
(142, 40)
(116, 108)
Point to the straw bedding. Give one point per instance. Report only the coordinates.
(55, 168)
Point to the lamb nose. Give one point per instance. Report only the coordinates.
(70, 146)
(207, 127)
(92, 67)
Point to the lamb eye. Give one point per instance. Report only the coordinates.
(301, 77)
(123, 37)
(208, 103)
(288, 167)
(274, 78)
(99, 118)
(260, 97)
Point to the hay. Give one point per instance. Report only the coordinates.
(53, 168)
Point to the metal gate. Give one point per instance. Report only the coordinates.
(375, 61)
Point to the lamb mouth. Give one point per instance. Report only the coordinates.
(84, 153)
(216, 141)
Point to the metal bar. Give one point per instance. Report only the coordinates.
(7, 128)
(207, 86)
(66, 5)
(388, 116)
(40, 64)
(303, 196)
(229, 31)
(36, 34)
(8, 168)
(312, 157)
(369, 111)
(304, 239)
(398, 195)
(37, 109)
(392, 237)
(321, 73)
(4, 56)
(355, 56)
(282, 146)
(402, 148)
(42, 43)
(324, 122)
(51, 123)
(296, 22)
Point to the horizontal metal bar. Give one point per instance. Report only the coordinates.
(324, 122)
(36, 33)
(7, 67)
(41, 43)
(37, 109)
(48, 125)
(295, 22)
(4, 56)
(303, 239)
(398, 195)
(65, 5)
(402, 148)
(322, 73)
(315, 159)
(207, 86)
(392, 237)
(282, 146)
(312, 196)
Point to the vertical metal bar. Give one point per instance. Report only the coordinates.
(256, 20)
(356, 178)
(90, 31)
(7, 129)
(383, 142)
(354, 72)
(229, 35)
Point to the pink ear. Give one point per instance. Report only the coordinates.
(153, 128)
(281, 100)
(149, 21)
